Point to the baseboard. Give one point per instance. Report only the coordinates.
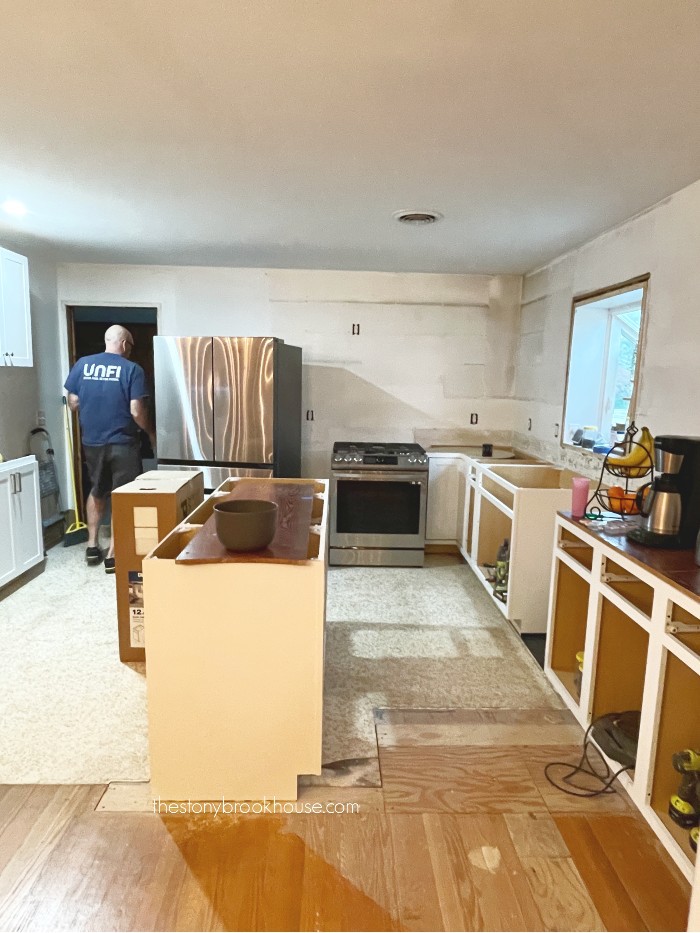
(19, 582)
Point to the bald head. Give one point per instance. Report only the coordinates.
(118, 340)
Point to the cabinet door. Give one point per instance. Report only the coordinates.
(26, 521)
(465, 507)
(15, 319)
(445, 510)
(7, 548)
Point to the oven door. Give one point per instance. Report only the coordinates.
(378, 510)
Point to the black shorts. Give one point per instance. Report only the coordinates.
(112, 466)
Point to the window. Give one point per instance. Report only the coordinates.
(604, 351)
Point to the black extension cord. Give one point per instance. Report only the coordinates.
(607, 779)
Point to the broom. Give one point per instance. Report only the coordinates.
(77, 533)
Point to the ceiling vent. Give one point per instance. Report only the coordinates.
(417, 218)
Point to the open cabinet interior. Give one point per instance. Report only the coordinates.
(686, 628)
(494, 527)
(620, 664)
(635, 591)
(581, 552)
(679, 728)
(569, 632)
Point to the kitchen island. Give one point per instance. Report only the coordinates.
(235, 651)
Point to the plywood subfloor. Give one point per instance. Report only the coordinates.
(460, 837)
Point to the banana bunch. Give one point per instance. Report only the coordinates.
(640, 458)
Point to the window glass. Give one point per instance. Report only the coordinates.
(603, 364)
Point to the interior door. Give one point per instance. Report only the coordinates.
(184, 398)
(244, 372)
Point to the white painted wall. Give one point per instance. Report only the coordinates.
(432, 348)
(665, 242)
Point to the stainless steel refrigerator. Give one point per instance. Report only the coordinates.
(230, 406)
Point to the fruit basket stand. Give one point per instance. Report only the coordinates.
(621, 498)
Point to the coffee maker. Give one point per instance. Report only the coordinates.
(670, 505)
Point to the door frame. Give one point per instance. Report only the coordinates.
(68, 308)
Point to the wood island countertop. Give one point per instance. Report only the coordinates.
(677, 567)
(290, 544)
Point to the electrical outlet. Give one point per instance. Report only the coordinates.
(309, 414)
(474, 418)
(529, 424)
(356, 330)
(556, 430)
(41, 419)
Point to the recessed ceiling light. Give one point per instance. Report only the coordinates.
(15, 208)
(417, 217)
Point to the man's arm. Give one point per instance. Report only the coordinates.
(140, 415)
(73, 402)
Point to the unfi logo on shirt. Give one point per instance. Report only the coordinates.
(101, 372)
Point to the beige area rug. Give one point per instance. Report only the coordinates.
(415, 638)
(72, 712)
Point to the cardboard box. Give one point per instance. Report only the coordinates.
(143, 513)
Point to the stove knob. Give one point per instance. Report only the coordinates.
(337, 458)
(423, 459)
(357, 458)
(411, 458)
(347, 458)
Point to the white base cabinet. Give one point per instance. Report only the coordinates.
(477, 505)
(640, 634)
(21, 541)
(446, 488)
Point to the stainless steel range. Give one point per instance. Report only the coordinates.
(378, 499)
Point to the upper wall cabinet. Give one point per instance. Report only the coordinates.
(15, 318)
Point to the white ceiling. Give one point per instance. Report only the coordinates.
(285, 133)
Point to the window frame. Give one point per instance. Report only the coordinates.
(640, 281)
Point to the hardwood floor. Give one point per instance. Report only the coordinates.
(460, 837)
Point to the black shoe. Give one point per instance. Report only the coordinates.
(109, 565)
(93, 556)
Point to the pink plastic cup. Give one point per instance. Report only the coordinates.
(580, 487)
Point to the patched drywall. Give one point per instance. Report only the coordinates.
(431, 349)
(665, 242)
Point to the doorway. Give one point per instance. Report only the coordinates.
(86, 329)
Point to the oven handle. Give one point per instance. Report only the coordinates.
(379, 477)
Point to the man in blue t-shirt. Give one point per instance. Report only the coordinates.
(108, 391)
